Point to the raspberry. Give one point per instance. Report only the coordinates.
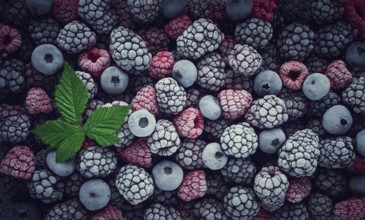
(293, 74)
(94, 62)
(216, 186)
(239, 171)
(211, 9)
(44, 31)
(320, 206)
(42, 186)
(270, 187)
(189, 123)
(331, 182)
(177, 26)
(156, 39)
(69, 210)
(134, 184)
(237, 81)
(245, 59)
(19, 162)
(171, 97)
(146, 99)
(240, 203)
(336, 152)
(292, 211)
(352, 208)
(10, 39)
(15, 129)
(295, 102)
(164, 141)
(358, 166)
(37, 101)
(339, 76)
(264, 9)
(209, 209)
(189, 155)
(211, 73)
(138, 153)
(194, 186)
(65, 11)
(318, 108)
(143, 11)
(234, 102)
(161, 65)
(354, 15)
(354, 95)
(299, 188)
(12, 75)
(263, 215)
(108, 213)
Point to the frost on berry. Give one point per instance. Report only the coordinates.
(19, 163)
(189, 123)
(194, 186)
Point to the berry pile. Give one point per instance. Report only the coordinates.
(241, 109)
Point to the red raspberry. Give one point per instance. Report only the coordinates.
(189, 123)
(193, 186)
(293, 74)
(355, 15)
(108, 213)
(234, 103)
(138, 153)
(299, 188)
(89, 143)
(350, 209)
(156, 40)
(161, 65)
(263, 215)
(264, 9)
(185, 209)
(18, 163)
(65, 11)
(10, 39)
(338, 74)
(10, 110)
(94, 61)
(37, 101)
(146, 98)
(358, 166)
(177, 26)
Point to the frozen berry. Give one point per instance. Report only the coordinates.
(263, 9)
(109, 212)
(89, 83)
(10, 38)
(354, 95)
(240, 203)
(319, 107)
(320, 206)
(271, 140)
(42, 186)
(94, 194)
(138, 153)
(94, 61)
(238, 10)
(37, 7)
(209, 107)
(193, 186)
(360, 142)
(141, 123)
(171, 97)
(234, 103)
(47, 59)
(339, 76)
(299, 189)
(214, 157)
(295, 102)
(355, 54)
(44, 31)
(189, 155)
(161, 65)
(64, 168)
(37, 101)
(69, 210)
(293, 74)
(316, 86)
(331, 182)
(65, 11)
(185, 73)
(352, 208)
(245, 60)
(336, 152)
(239, 171)
(337, 120)
(164, 140)
(156, 40)
(15, 129)
(167, 175)
(146, 98)
(267, 83)
(211, 73)
(292, 211)
(114, 80)
(326, 11)
(211, 9)
(144, 12)
(189, 123)
(19, 162)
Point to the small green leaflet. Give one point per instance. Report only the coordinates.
(103, 139)
(70, 147)
(71, 96)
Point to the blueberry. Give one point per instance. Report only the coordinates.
(114, 80)
(94, 194)
(39, 7)
(271, 140)
(167, 175)
(238, 10)
(47, 59)
(210, 108)
(141, 123)
(316, 86)
(23, 211)
(357, 184)
(267, 83)
(360, 142)
(337, 120)
(172, 8)
(185, 73)
(355, 54)
(65, 168)
(214, 157)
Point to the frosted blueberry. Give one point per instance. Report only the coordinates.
(238, 9)
(167, 175)
(210, 108)
(114, 80)
(94, 194)
(185, 73)
(355, 54)
(267, 83)
(360, 142)
(316, 86)
(141, 123)
(47, 59)
(271, 140)
(64, 168)
(337, 120)
(214, 157)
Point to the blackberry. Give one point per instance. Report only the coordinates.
(320, 206)
(97, 161)
(98, 15)
(34, 78)
(298, 156)
(116, 199)
(12, 75)
(75, 37)
(295, 10)
(171, 97)
(318, 108)
(42, 186)
(245, 60)
(15, 129)
(189, 155)
(69, 210)
(143, 11)
(167, 198)
(315, 124)
(201, 37)
(134, 212)
(354, 95)
(270, 58)
(332, 39)
(135, 184)
(316, 64)
(211, 73)
(210, 9)
(254, 32)
(142, 81)
(164, 140)
(336, 152)
(270, 187)
(215, 129)
(91, 106)
(159, 211)
(129, 51)
(44, 31)
(267, 112)
(295, 42)
(89, 83)
(71, 185)
(292, 211)
(216, 186)
(238, 81)
(239, 140)
(239, 171)
(240, 203)
(295, 102)
(192, 97)
(326, 11)
(332, 183)
(156, 39)
(209, 209)
(226, 47)
(14, 12)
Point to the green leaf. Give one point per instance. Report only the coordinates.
(70, 147)
(104, 139)
(71, 96)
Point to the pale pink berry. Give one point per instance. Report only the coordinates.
(18, 163)
(299, 188)
(293, 74)
(193, 186)
(234, 103)
(10, 39)
(189, 123)
(138, 153)
(339, 76)
(350, 209)
(161, 65)
(37, 101)
(108, 213)
(94, 61)
(146, 98)
(177, 26)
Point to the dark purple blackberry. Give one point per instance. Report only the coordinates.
(295, 102)
(14, 12)
(210, 9)
(129, 50)
(209, 208)
(332, 39)
(69, 210)
(34, 78)
(201, 37)
(292, 211)
(332, 183)
(44, 31)
(315, 124)
(134, 183)
(254, 32)
(299, 154)
(240, 203)
(318, 108)
(142, 81)
(156, 39)
(294, 10)
(167, 198)
(97, 161)
(143, 11)
(164, 140)
(192, 98)
(189, 155)
(239, 171)
(92, 105)
(24, 52)
(316, 64)
(42, 186)
(267, 112)
(159, 211)
(98, 15)
(239, 140)
(244, 60)
(238, 81)
(89, 83)
(336, 152)
(270, 58)
(216, 186)
(12, 75)
(116, 199)
(71, 185)
(134, 212)
(211, 73)
(15, 129)
(354, 95)
(75, 37)
(320, 206)
(326, 11)
(292, 127)
(295, 42)
(171, 97)
(216, 128)
(16, 189)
